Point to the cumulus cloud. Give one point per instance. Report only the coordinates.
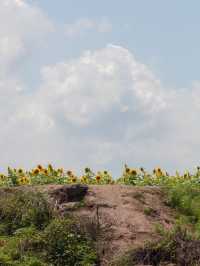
(84, 25)
(86, 89)
(101, 109)
(106, 107)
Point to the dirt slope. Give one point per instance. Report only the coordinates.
(126, 215)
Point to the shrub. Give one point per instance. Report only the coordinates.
(21, 209)
(177, 247)
(66, 245)
(186, 199)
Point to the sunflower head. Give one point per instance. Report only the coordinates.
(36, 171)
(45, 171)
(105, 172)
(69, 173)
(2, 176)
(20, 171)
(74, 179)
(84, 178)
(40, 167)
(133, 172)
(98, 178)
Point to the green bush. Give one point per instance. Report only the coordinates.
(31, 234)
(21, 209)
(186, 199)
(66, 245)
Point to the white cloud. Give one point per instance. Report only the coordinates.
(105, 108)
(83, 25)
(22, 27)
(87, 88)
(101, 109)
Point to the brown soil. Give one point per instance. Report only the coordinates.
(126, 215)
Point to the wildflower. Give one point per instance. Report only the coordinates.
(36, 171)
(45, 171)
(142, 169)
(159, 170)
(154, 171)
(84, 178)
(74, 179)
(98, 178)
(105, 172)
(69, 173)
(133, 172)
(23, 180)
(39, 167)
(20, 171)
(2, 176)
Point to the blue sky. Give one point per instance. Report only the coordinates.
(98, 83)
(163, 34)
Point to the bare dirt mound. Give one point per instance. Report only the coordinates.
(125, 216)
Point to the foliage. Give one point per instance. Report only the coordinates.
(33, 235)
(177, 246)
(131, 176)
(20, 209)
(66, 245)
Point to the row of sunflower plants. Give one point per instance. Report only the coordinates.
(41, 175)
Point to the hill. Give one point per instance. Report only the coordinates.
(109, 225)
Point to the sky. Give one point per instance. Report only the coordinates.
(100, 84)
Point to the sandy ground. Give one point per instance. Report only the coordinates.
(126, 215)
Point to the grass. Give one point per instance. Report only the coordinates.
(177, 246)
(32, 234)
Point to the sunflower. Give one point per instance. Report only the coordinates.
(2, 176)
(23, 180)
(45, 171)
(36, 171)
(98, 178)
(105, 172)
(40, 167)
(133, 172)
(69, 173)
(74, 179)
(84, 178)
(20, 171)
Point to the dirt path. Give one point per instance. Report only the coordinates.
(128, 215)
